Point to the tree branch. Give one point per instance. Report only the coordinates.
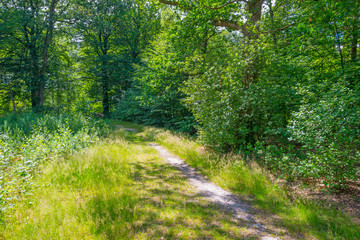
(227, 24)
(49, 34)
(20, 41)
(172, 3)
(279, 29)
(221, 6)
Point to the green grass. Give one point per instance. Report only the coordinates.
(303, 218)
(118, 189)
(29, 140)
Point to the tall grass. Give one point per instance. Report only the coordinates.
(28, 140)
(118, 189)
(304, 218)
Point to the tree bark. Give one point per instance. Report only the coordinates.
(355, 35)
(105, 101)
(251, 34)
(11, 93)
(105, 90)
(39, 69)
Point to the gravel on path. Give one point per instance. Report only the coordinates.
(215, 193)
(212, 192)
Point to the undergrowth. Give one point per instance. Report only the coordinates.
(29, 140)
(118, 189)
(304, 218)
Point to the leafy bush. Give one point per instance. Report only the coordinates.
(155, 98)
(233, 116)
(323, 136)
(329, 131)
(28, 140)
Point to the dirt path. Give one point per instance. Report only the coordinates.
(214, 193)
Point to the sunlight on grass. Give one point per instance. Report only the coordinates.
(118, 189)
(303, 218)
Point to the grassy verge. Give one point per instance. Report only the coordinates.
(303, 218)
(118, 189)
(29, 140)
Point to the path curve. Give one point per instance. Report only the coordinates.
(214, 193)
(211, 191)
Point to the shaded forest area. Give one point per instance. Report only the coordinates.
(277, 81)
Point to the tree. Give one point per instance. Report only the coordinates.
(156, 98)
(33, 28)
(115, 33)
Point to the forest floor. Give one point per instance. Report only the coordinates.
(242, 212)
(123, 189)
(129, 187)
(347, 199)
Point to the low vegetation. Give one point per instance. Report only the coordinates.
(118, 189)
(29, 140)
(303, 218)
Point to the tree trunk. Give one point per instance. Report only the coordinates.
(105, 89)
(355, 36)
(11, 93)
(251, 70)
(37, 91)
(105, 100)
(273, 33)
(251, 34)
(37, 81)
(12, 100)
(39, 69)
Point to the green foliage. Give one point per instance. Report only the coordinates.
(250, 94)
(114, 35)
(302, 217)
(329, 131)
(323, 138)
(155, 98)
(162, 113)
(28, 140)
(119, 189)
(256, 77)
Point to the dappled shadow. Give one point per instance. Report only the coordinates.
(278, 222)
(173, 210)
(131, 136)
(112, 215)
(166, 191)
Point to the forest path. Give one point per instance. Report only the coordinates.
(223, 199)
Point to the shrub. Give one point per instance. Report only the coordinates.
(329, 131)
(28, 140)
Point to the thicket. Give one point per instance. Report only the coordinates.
(156, 98)
(29, 140)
